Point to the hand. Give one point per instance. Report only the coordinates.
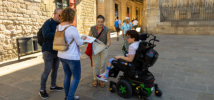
(83, 37)
(117, 57)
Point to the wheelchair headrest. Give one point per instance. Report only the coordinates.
(143, 36)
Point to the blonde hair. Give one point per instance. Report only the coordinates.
(67, 15)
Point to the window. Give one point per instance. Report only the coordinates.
(62, 4)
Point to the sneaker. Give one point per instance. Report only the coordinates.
(102, 77)
(56, 88)
(75, 98)
(117, 38)
(43, 94)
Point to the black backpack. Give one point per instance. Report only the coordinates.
(40, 37)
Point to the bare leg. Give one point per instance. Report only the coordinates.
(109, 64)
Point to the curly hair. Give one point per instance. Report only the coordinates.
(134, 34)
(67, 15)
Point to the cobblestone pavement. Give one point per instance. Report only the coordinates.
(184, 71)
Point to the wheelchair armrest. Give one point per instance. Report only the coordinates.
(124, 61)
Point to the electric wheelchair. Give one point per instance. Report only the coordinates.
(136, 77)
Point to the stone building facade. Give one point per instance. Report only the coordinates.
(179, 16)
(25, 18)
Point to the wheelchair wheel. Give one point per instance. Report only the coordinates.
(158, 92)
(124, 88)
(112, 89)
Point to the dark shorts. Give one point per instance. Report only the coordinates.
(117, 29)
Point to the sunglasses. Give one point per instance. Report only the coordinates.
(59, 15)
(127, 37)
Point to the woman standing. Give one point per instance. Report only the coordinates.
(126, 26)
(99, 60)
(71, 58)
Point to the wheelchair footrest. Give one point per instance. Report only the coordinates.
(113, 73)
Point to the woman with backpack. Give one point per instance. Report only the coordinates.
(102, 33)
(70, 58)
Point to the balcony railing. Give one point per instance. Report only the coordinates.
(187, 12)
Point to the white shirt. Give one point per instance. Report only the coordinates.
(73, 52)
(135, 22)
(133, 48)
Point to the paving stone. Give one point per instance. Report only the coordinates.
(194, 70)
(205, 76)
(180, 73)
(168, 97)
(205, 96)
(190, 86)
(29, 86)
(179, 92)
(200, 81)
(18, 74)
(162, 83)
(10, 80)
(157, 70)
(2, 85)
(85, 90)
(211, 89)
(179, 59)
(169, 72)
(31, 78)
(174, 77)
(1, 98)
(7, 90)
(20, 95)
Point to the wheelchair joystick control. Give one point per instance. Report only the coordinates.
(136, 74)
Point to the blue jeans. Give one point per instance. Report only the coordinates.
(71, 67)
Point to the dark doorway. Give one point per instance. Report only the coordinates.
(137, 14)
(116, 10)
(127, 11)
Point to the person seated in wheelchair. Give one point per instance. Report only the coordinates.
(132, 37)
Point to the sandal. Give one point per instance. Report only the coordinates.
(102, 85)
(95, 83)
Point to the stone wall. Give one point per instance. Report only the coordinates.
(20, 18)
(86, 15)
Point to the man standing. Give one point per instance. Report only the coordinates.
(117, 25)
(135, 23)
(51, 60)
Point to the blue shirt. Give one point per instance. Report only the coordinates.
(48, 31)
(126, 27)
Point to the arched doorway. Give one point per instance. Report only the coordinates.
(116, 10)
(129, 10)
